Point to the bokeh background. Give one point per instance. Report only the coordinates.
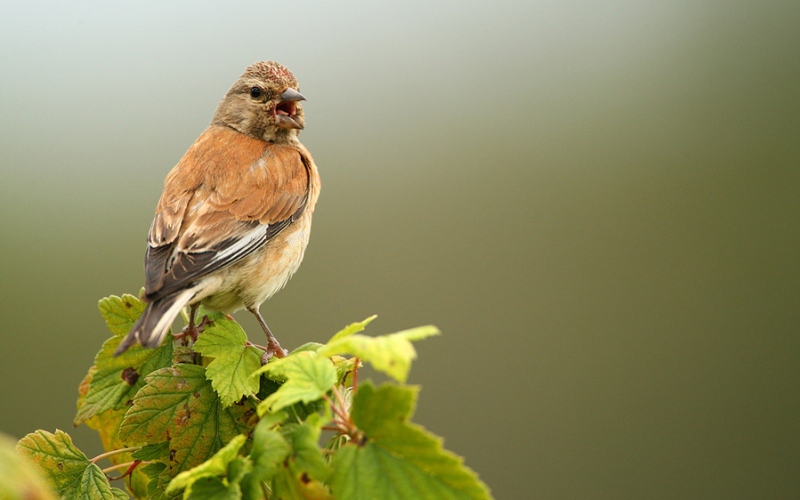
(597, 202)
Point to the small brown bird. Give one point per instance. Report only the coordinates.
(235, 216)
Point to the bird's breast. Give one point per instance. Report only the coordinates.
(258, 276)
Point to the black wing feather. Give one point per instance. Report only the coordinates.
(165, 277)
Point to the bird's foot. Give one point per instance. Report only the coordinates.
(273, 348)
(192, 331)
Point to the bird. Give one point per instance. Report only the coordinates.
(234, 220)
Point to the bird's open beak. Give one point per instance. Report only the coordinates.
(292, 95)
(286, 110)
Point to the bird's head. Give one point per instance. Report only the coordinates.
(263, 103)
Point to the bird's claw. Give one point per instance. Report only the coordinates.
(192, 331)
(274, 349)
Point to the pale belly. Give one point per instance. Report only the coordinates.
(250, 282)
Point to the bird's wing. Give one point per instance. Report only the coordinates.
(226, 198)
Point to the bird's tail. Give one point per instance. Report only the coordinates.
(151, 327)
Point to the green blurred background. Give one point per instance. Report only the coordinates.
(598, 204)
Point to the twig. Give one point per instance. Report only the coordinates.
(335, 409)
(356, 362)
(128, 472)
(117, 466)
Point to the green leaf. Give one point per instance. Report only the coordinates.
(270, 448)
(336, 442)
(252, 489)
(179, 405)
(308, 346)
(308, 377)
(272, 419)
(352, 328)
(213, 488)
(391, 354)
(68, 470)
(397, 459)
(344, 369)
(56, 457)
(303, 474)
(107, 426)
(94, 485)
(19, 479)
(119, 494)
(238, 468)
(159, 479)
(113, 381)
(151, 451)
(120, 313)
(215, 466)
(287, 486)
(306, 454)
(234, 361)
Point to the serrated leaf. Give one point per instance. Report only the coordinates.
(113, 381)
(212, 488)
(159, 479)
(308, 346)
(344, 369)
(304, 473)
(352, 328)
(238, 468)
(306, 453)
(119, 494)
(178, 405)
(308, 377)
(151, 451)
(95, 485)
(269, 451)
(215, 466)
(55, 457)
(120, 313)
(66, 468)
(234, 361)
(107, 426)
(252, 489)
(267, 455)
(286, 486)
(397, 459)
(153, 469)
(272, 419)
(391, 354)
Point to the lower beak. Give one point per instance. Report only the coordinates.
(287, 121)
(286, 112)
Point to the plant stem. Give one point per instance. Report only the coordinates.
(355, 372)
(128, 472)
(335, 408)
(118, 466)
(112, 453)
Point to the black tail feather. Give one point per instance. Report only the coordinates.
(154, 323)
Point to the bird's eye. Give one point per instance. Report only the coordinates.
(256, 92)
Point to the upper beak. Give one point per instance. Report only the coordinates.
(285, 111)
(292, 95)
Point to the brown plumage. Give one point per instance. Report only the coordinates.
(234, 219)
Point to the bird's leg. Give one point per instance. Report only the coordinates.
(273, 346)
(191, 330)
